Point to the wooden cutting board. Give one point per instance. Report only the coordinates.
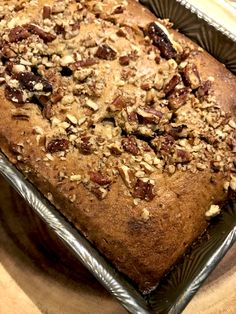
(34, 280)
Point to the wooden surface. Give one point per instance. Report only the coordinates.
(35, 279)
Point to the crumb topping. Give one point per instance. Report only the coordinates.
(131, 96)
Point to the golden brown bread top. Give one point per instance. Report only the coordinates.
(131, 139)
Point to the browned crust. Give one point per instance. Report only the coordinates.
(142, 251)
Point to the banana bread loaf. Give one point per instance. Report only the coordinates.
(124, 124)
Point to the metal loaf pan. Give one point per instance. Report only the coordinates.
(176, 289)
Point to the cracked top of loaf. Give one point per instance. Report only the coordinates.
(124, 124)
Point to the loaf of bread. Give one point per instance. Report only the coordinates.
(124, 124)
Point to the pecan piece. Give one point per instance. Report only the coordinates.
(100, 178)
(85, 145)
(124, 60)
(32, 82)
(204, 89)
(118, 103)
(57, 145)
(105, 52)
(149, 115)
(47, 11)
(191, 76)
(161, 41)
(14, 95)
(170, 86)
(163, 144)
(130, 145)
(127, 176)
(181, 156)
(178, 98)
(177, 131)
(144, 189)
(45, 36)
(18, 33)
(118, 10)
(85, 63)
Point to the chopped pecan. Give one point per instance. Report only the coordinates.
(121, 33)
(14, 95)
(45, 36)
(75, 26)
(170, 86)
(161, 41)
(118, 10)
(163, 144)
(132, 116)
(32, 82)
(127, 175)
(100, 178)
(118, 103)
(178, 98)
(105, 52)
(130, 145)
(177, 131)
(204, 89)
(149, 115)
(47, 11)
(191, 76)
(181, 156)
(85, 145)
(57, 145)
(18, 33)
(85, 63)
(124, 60)
(185, 54)
(144, 189)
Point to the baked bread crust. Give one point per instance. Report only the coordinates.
(141, 233)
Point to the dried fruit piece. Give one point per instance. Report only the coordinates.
(144, 189)
(45, 36)
(178, 98)
(130, 145)
(32, 82)
(161, 41)
(170, 86)
(191, 76)
(18, 33)
(57, 145)
(100, 178)
(105, 52)
(14, 95)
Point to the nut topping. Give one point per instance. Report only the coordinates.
(14, 95)
(161, 41)
(32, 82)
(170, 86)
(130, 145)
(18, 33)
(191, 76)
(144, 189)
(100, 178)
(45, 36)
(57, 145)
(105, 52)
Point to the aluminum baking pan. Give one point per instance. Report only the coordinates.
(176, 289)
